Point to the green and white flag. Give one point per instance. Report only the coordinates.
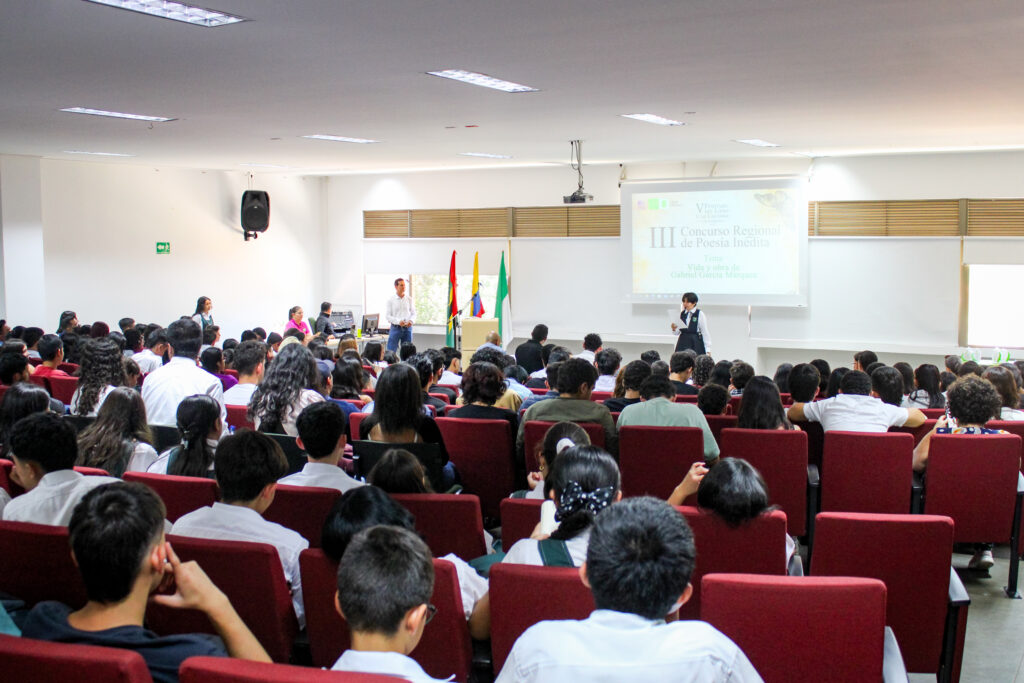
(503, 306)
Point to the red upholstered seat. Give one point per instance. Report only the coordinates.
(36, 565)
(238, 417)
(719, 422)
(224, 670)
(755, 547)
(867, 472)
(653, 460)
(449, 523)
(686, 398)
(354, 420)
(801, 628)
(925, 597)
(40, 382)
(551, 593)
(91, 471)
(815, 441)
(917, 432)
(181, 495)
(519, 516)
(600, 396)
(484, 454)
(1014, 427)
(781, 458)
(445, 648)
(63, 388)
(6, 483)
(25, 659)
(244, 571)
(533, 435)
(302, 509)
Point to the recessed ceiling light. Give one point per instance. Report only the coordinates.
(98, 154)
(653, 118)
(483, 80)
(758, 143)
(340, 138)
(484, 155)
(117, 114)
(189, 14)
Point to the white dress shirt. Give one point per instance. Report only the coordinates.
(605, 383)
(236, 523)
(323, 475)
(54, 499)
(585, 355)
(143, 456)
(96, 406)
(390, 663)
(611, 646)
(450, 378)
(307, 397)
(168, 385)
(855, 413)
(239, 395)
(399, 308)
(147, 360)
(472, 586)
(5, 498)
(525, 550)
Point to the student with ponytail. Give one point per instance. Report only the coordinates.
(559, 437)
(199, 424)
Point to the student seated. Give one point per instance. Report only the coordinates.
(118, 545)
(560, 437)
(248, 466)
(627, 386)
(44, 450)
(51, 351)
(321, 429)
(804, 382)
(761, 407)
(482, 385)
(119, 440)
(855, 409)
(638, 567)
(927, 391)
(713, 399)
(385, 581)
(369, 506)
(199, 426)
(249, 361)
(659, 409)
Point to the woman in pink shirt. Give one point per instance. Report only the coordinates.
(295, 321)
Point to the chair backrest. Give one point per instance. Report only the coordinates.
(296, 456)
(445, 648)
(69, 368)
(40, 382)
(780, 455)
(815, 440)
(1014, 427)
(534, 431)
(238, 417)
(302, 509)
(755, 547)
(719, 422)
(78, 422)
(164, 436)
(863, 472)
(63, 388)
(734, 403)
(933, 413)
(354, 420)
(801, 628)
(251, 576)
(686, 398)
(181, 495)
(519, 516)
(441, 397)
(484, 453)
(366, 454)
(917, 432)
(6, 483)
(91, 471)
(36, 565)
(522, 595)
(915, 569)
(26, 659)
(358, 403)
(227, 670)
(449, 523)
(454, 387)
(653, 460)
(973, 479)
(600, 396)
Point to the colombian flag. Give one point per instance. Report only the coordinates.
(453, 306)
(478, 303)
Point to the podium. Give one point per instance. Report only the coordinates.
(475, 331)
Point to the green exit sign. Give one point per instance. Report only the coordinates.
(163, 247)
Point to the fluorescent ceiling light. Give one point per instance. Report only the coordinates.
(98, 154)
(483, 80)
(339, 138)
(116, 114)
(653, 118)
(484, 155)
(189, 14)
(758, 143)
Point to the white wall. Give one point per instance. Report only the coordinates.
(24, 271)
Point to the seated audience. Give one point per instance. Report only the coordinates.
(550, 380)
(530, 354)
(906, 371)
(559, 437)
(650, 356)
(638, 566)
(347, 380)
(552, 354)
(713, 399)
(21, 400)
(51, 351)
(287, 387)
(591, 345)
(437, 361)
(862, 360)
(102, 372)
(969, 368)
(946, 380)
(250, 360)
(322, 428)
(199, 425)
(31, 337)
(67, 323)
(720, 374)
(681, 364)
(1009, 397)
(661, 368)
(152, 357)
(825, 371)
(399, 471)
(855, 410)
(834, 380)
(133, 342)
(632, 376)
(927, 391)
(781, 377)
(406, 351)
(168, 385)
(212, 360)
(482, 386)
(739, 374)
(607, 362)
(887, 384)
(492, 341)
(248, 465)
(953, 363)
(43, 449)
(804, 382)
(425, 370)
(702, 367)
(118, 544)
(452, 367)
(658, 409)
(119, 440)
(761, 407)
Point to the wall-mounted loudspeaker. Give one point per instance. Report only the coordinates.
(255, 212)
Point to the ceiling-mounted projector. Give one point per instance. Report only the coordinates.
(578, 197)
(576, 163)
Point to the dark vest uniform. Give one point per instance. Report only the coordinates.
(689, 335)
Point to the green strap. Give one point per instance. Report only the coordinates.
(554, 553)
(519, 494)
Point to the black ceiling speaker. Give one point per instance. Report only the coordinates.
(255, 212)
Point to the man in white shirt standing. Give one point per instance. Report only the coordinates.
(44, 449)
(247, 466)
(639, 562)
(168, 385)
(250, 360)
(400, 314)
(854, 409)
(321, 429)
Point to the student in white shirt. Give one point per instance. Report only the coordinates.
(607, 362)
(168, 385)
(119, 440)
(322, 428)
(286, 389)
(248, 466)
(152, 357)
(1006, 386)
(250, 360)
(591, 345)
(102, 371)
(43, 448)
(385, 581)
(199, 427)
(854, 409)
(638, 567)
(452, 374)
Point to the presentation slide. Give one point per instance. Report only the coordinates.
(740, 242)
